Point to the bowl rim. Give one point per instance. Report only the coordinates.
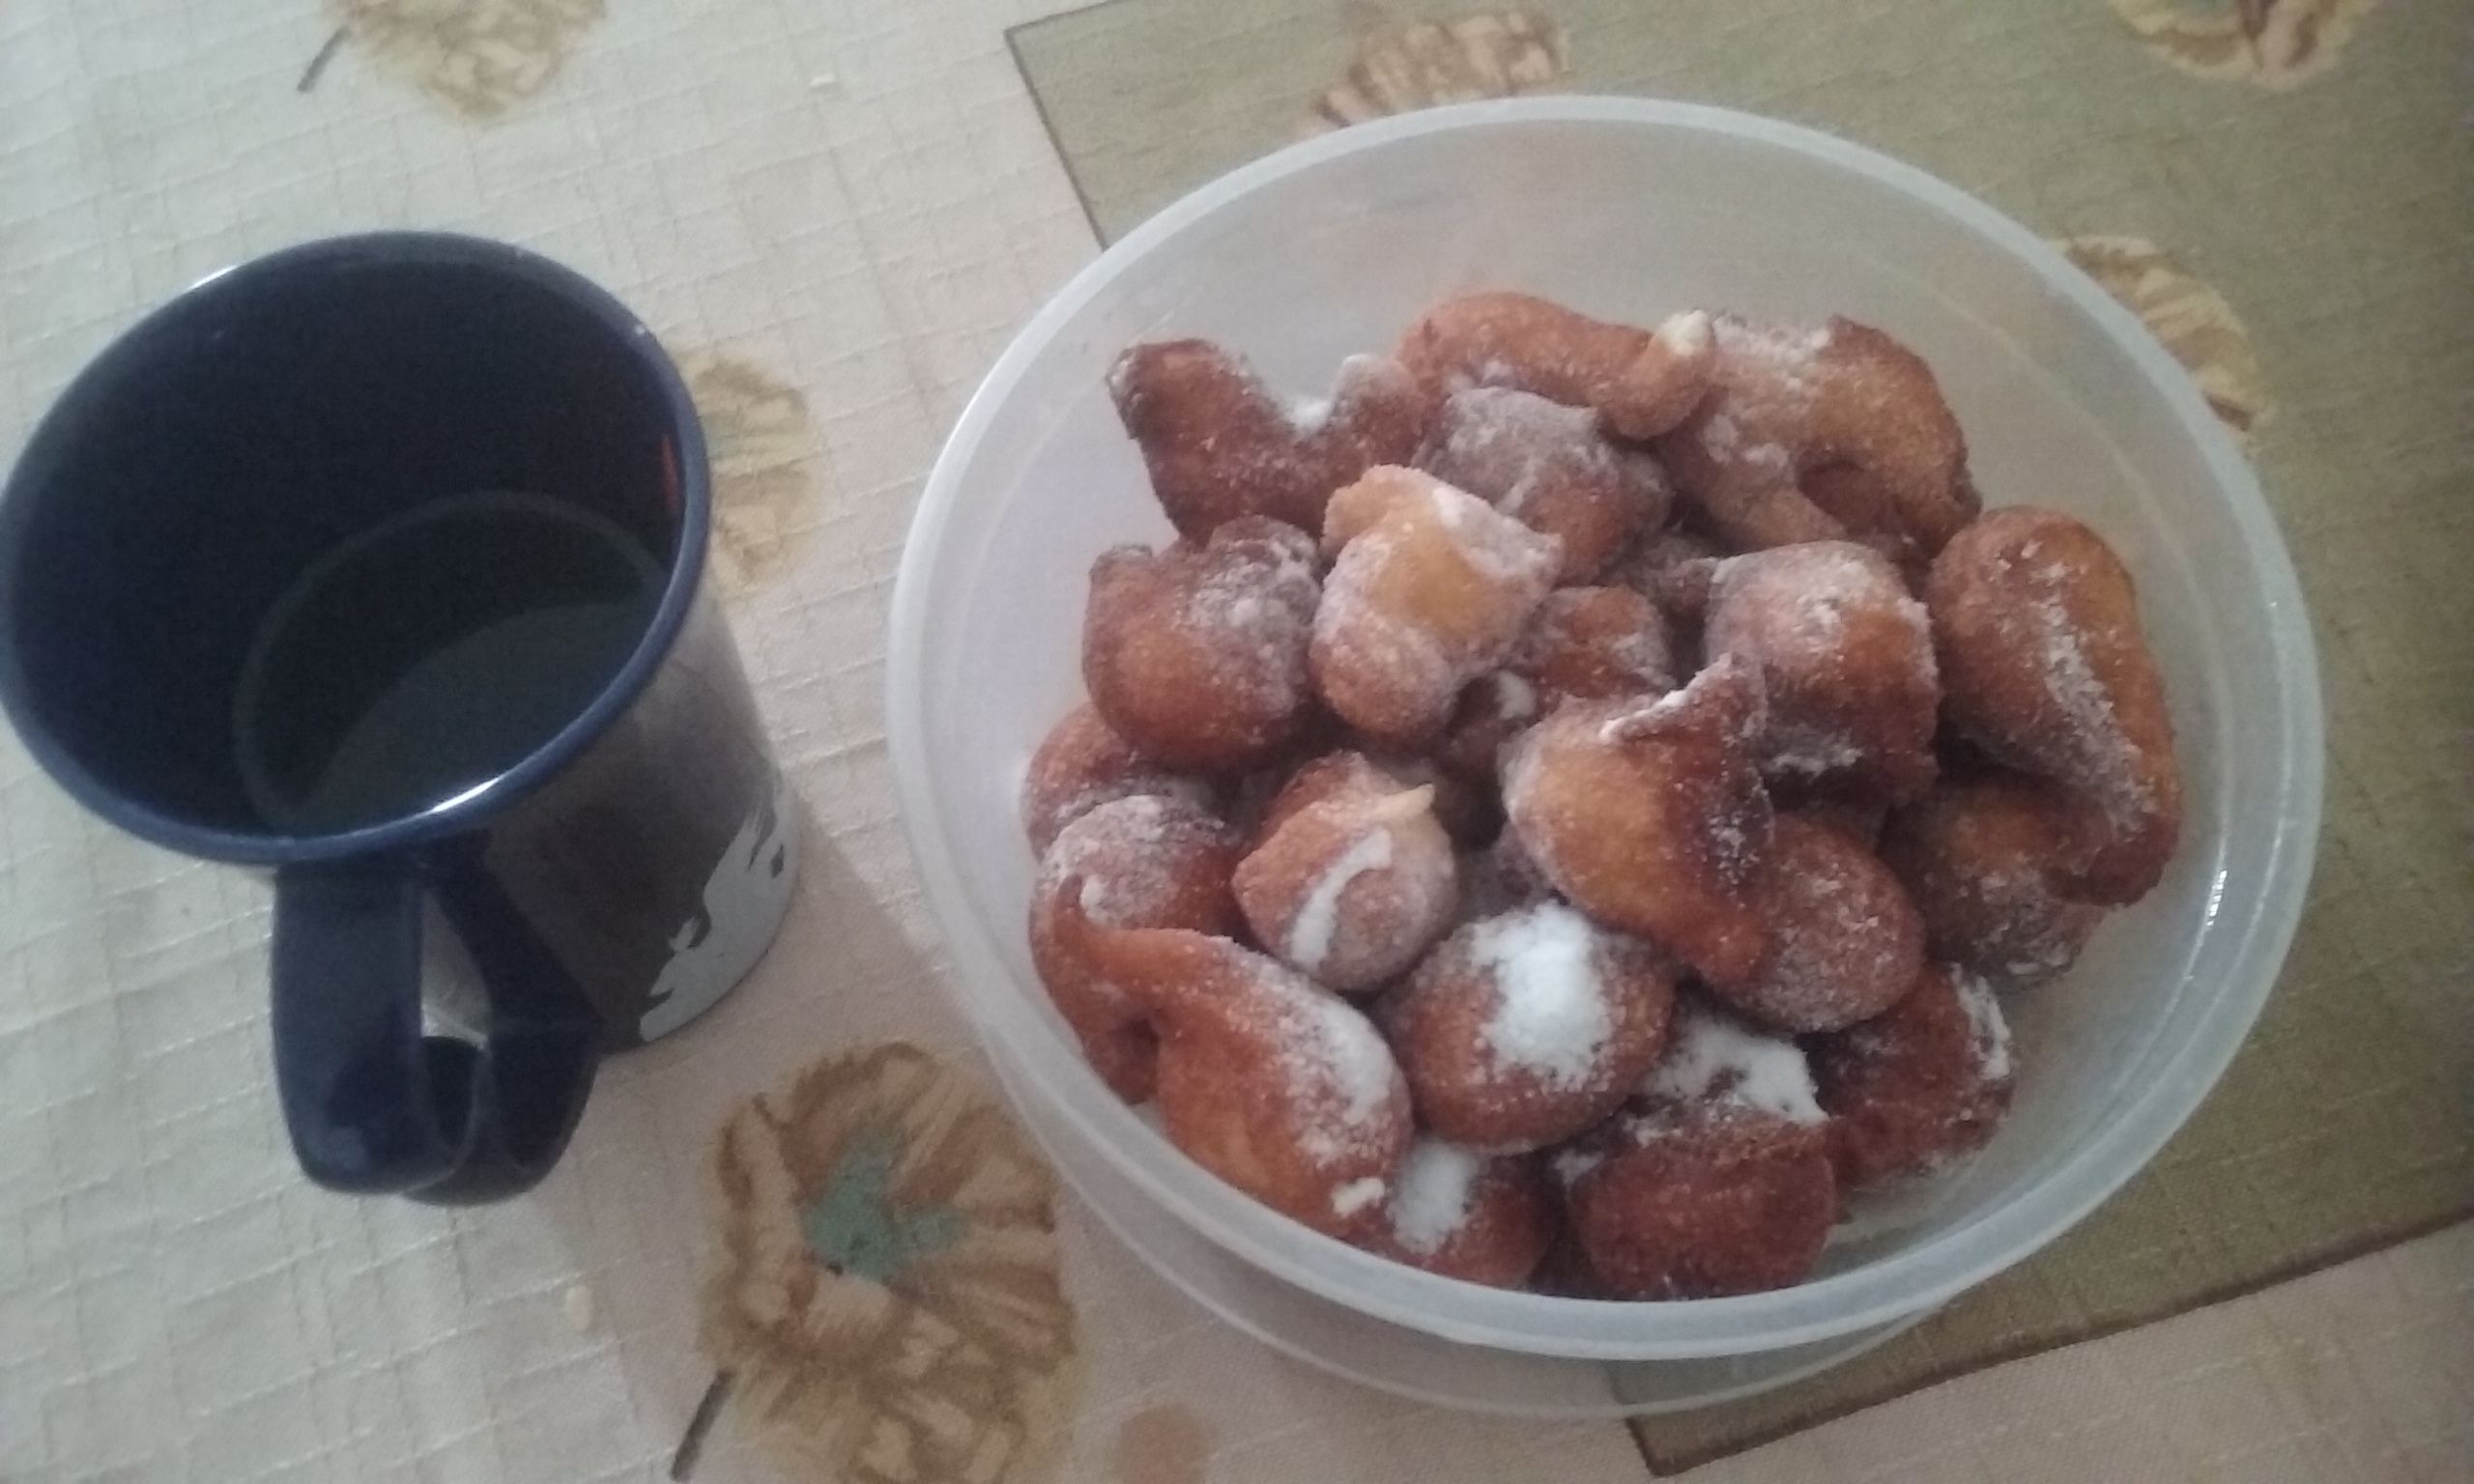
(1919, 1278)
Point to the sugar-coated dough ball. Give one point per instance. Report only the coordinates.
(1148, 860)
(1822, 433)
(1639, 382)
(1846, 658)
(1912, 1090)
(1483, 1219)
(1219, 446)
(1082, 764)
(1522, 1029)
(1719, 1180)
(1277, 1087)
(2045, 668)
(1430, 588)
(1845, 943)
(1350, 887)
(1978, 856)
(1196, 655)
(1651, 816)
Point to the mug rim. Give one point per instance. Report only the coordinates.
(628, 335)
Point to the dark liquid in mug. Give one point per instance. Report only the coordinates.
(425, 657)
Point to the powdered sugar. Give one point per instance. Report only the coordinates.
(1685, 335)
(1356, 1196)
(1254, 606)
(1806, 752)
(1502, 444)
(1573, 1165)
(1339, 1068)
(1498, 546)
(1783, 359)
(1129, 854)
(2071, 681)
(1515, 699)
(1713, 1055)
(1720, 437)
(1434, 1195)
(1552, 1018)
(1318, 920)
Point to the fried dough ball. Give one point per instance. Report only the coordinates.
(1912, 1090)
(1082, 764)
(1651, 818)
(1719, 1184)
(1847, 659)
(2042, 666)
(1641, 382)
(1431, 589)
(1547, 465)
(1477, 1217)
(1220, 445)
(1276, 1087)
(1978, 855)
(1351, 885)
(1145, 861)
(1196, 655)
(1845, 943)
(1523, 1029)
(1822, 434)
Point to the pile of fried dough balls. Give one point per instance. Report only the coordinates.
(1560, 811)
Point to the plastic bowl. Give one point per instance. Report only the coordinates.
(1626, 210)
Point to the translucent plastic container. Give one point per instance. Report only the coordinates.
(1626, 210)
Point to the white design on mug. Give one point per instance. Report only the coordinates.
(744, 900)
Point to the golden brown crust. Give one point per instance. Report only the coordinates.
(1978, 855)
(1846, 658)
(1651, 818)
(1595, 643)
(1701, 1200)
(1591, 643)
(1841, 414)
(1220, 445)
(1350, 887)
(1911, 1091)
(1641, 382)
(1082, 765)
(2044, 666)
(1196, 654)
(1144, 861)
(1276, 1087)
(1430, 588)
(1845, 943)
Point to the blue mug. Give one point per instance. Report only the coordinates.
(376, 564)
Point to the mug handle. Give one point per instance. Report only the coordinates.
(375, 1105)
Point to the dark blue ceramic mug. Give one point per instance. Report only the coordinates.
(377, 562)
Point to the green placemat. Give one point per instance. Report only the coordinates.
(2284, 189)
